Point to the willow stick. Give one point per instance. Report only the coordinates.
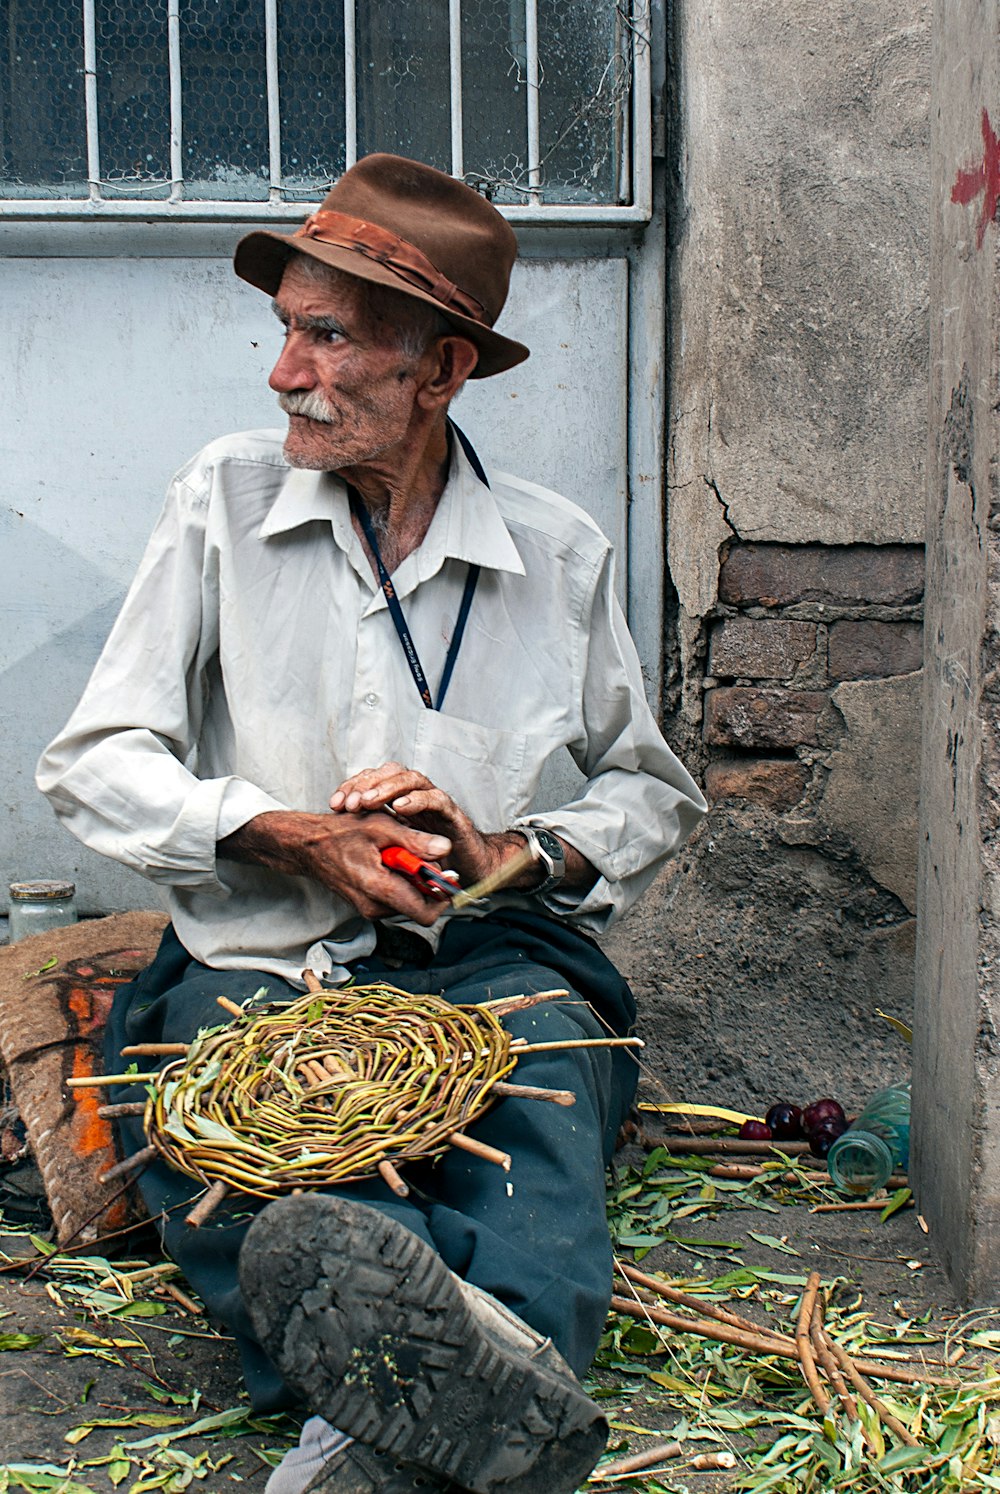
(849, 1208)
(804, 1345)
(480, 1149)
(390, 1176)
(749, 1172)
(207, 1204)
(137, 1159)
(154, 1050)
(518, 1048)
(97, 1081)
(502, 877)
(706, 1145)
(128, 1107)
(827, 1359)
(707, 1309)
(866, 1393)
(504, 1005)
(722, 1333)
(637, 1461)
(532, 1092)
(181, 1298)
(230, 1006)
(312, 982)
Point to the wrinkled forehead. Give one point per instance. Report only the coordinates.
(327, 289)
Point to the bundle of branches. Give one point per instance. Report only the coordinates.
(819, 1356)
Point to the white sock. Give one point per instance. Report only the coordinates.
(318, 1442)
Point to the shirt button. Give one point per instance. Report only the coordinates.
(371, 700)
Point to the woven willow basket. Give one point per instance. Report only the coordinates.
(326, 1088)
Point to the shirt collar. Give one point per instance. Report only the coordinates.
(467, 523)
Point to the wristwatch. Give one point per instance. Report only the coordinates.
(548, 852)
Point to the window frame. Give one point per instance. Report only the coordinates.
(635, 164)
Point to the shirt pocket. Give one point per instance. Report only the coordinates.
(481, 767)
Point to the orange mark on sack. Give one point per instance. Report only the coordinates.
(91, 1135)
(90, 1005)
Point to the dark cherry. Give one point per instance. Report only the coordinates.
(822, 1137)
(785, 1121)
(755, 1131)
(819, 1112)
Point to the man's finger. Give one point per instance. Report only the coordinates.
(427, 801)
(391, 788)
(389, 832)
(363, 779)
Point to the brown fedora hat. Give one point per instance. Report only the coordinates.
(406, 226)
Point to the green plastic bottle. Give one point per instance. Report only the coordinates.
(875, 1145)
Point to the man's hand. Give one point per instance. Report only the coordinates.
(344, 853)
(416, 801)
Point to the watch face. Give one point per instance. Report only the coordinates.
(550, 845)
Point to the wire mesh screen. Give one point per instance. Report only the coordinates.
(259, 110)
(403, 86)
(224, 91)
(43, 138)
(312, 96)
(133, 97)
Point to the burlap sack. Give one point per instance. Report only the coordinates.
(51, 1023)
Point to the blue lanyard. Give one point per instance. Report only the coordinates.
(392, 600)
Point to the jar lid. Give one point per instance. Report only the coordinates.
(24, 892)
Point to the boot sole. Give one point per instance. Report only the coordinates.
(367, 1323)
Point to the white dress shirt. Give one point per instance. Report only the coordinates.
(255, 666)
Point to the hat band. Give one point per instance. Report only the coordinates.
(385, 248)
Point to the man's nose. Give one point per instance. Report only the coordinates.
(293, 369)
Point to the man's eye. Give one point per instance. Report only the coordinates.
(331, 334)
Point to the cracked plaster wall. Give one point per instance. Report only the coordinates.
(798, 312)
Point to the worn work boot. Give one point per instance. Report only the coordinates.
(380, 1338)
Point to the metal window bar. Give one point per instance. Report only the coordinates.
(455, 71)
(531, 98)
(635, 157)
(176, 101)
(350, 84)
(276, 188)
(90, 99)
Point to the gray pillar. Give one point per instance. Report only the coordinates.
(956, 1057)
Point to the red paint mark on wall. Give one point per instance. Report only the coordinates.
(983, 178)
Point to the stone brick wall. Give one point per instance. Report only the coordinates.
(793, 622)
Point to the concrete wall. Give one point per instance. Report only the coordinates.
(956, 1050)
(797, 412)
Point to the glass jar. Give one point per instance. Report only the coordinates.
(871, 1149)
(36, 907)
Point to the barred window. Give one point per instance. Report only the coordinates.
(260, 102)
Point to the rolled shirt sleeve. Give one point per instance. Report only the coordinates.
(639, 803)
(121, 775)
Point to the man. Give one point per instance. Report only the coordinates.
(366, 640)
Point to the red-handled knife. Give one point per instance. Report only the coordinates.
(420, 872)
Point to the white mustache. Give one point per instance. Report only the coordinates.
(311, 403)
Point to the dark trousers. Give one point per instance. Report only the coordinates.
(541, 1246)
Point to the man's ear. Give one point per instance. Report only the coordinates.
(450, 361)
